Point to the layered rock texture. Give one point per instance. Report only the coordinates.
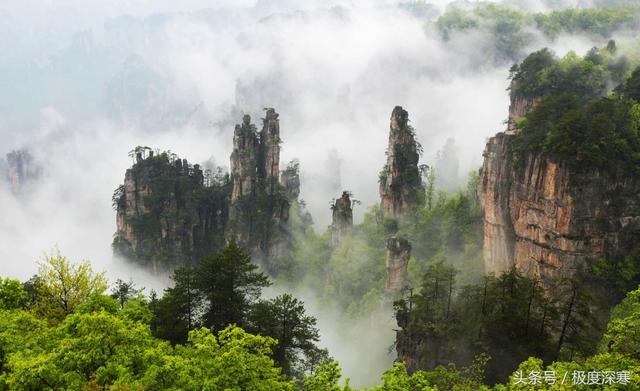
(401, 192)
(398, 253)
(165, 214)
(542, 218)
(290, 180)
(260, 204)
(170, 212)
(400, 180)
(342, 218)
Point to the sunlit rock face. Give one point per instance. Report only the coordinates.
(400, 180)
(544, 219)
(519, 107)
(398, 253)
(342, 218)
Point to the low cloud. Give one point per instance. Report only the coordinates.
(118, 75)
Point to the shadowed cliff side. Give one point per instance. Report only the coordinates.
(166, 216)
(170, 212)
(401, 188)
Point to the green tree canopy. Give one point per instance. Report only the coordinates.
(64, 285)
(12, 294)
(229, 283)
(284, 319)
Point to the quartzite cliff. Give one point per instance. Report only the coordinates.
(170, 212)
(401, 192)
(341, 218)
(400, 180)
(542, 218)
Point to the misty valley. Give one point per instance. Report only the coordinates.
(320, 196)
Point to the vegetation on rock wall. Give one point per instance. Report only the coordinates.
(574, 122)
(173, 216)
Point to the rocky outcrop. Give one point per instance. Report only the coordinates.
(342, 218)
(255, 160)
(244, 159)
(260, 204)
(290, 180)
(519, 107)
(165, 215)
(21, 170)
(544, 219)
(269, 165)
(400, 180)
(398, 254)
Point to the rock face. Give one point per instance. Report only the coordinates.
(168, 214)
(165, 215)
(398, 254)
(244, 159)
(544, 219)
(21, 169)
(342, 218)
(400, 180)
(290, 180)
(519, 107)
(269, 158)
(260, 204)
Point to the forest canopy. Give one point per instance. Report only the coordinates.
(511, 29)
(579, 117)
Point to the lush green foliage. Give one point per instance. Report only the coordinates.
(618, 352)
(229, 283)
(72, 336)
(573, 122)
(284, 319)
(326, 377)
(63, 286)
(351, 275)
(507, 317)
(99, 349)
(599, 135)
(224, 289)
(12, 294)
(541, 74)
(510, 29)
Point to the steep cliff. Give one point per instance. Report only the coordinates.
(398, 253)
(244, 159)
(290, 180)
(341, 218)
(545, 216)
(259, 208)
(400, 181)
(170, 212)
(165, 214)
(269, 152)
